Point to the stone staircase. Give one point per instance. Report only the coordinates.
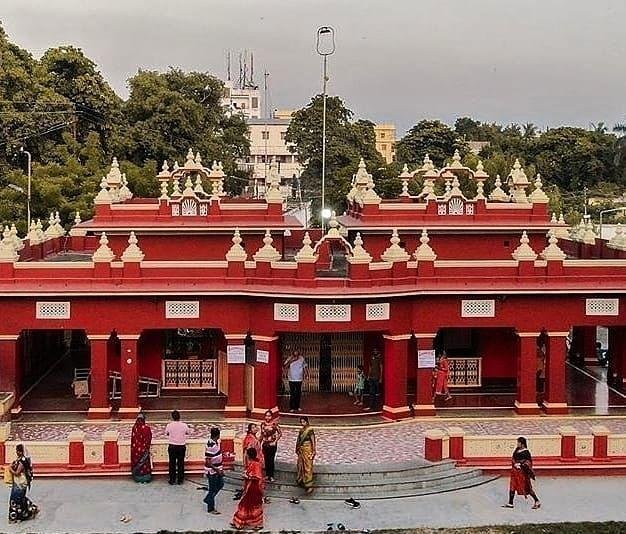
(382, 481)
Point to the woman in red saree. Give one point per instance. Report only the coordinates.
(251, 441)
(249, 513)
(441, 377)
(522, 474)
(140, 442)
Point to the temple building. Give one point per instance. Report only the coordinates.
(195, 299)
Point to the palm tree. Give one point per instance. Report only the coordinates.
(600, 127)
(620, 151)
(530, 130)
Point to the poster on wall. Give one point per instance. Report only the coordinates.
(425, 359)
(263, 356)
(236, 354)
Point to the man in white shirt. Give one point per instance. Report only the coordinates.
(296, 373)
(177, 433)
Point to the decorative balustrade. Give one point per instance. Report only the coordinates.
(189, 374)
(465, 372)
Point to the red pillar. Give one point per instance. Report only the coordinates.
(236, 402)
(424, 379)
(396, 349)
(9, 363)
(526, 402)
(265, 392)
(130, 375)
(100, 405)
(555, 402)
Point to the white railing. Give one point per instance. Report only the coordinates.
(465, 372)
(189, 374)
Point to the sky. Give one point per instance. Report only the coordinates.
(550, 62)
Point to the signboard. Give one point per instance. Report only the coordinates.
(425, 359)
(263, 356)
(236, 354)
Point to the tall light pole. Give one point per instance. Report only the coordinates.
(325, 47)
(30, 161)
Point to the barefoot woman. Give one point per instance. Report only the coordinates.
(305, 450)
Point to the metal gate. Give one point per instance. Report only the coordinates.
(346, 352)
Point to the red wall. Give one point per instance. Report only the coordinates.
(496, 346)
(151, 347)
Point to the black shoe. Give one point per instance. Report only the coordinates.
(352, 503)
(171, 483)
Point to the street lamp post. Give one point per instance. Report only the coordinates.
(30, 160)
(325, 47)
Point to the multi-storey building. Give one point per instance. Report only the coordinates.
(386, 141)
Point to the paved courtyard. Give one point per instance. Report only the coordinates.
(396, 442)
(97, 505)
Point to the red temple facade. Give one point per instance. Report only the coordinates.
(196, 293)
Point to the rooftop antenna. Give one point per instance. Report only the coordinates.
(240, 70)
(265, 113)
(228, 64)
(251, 69)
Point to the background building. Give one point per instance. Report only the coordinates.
(386, 141)
(245, 100)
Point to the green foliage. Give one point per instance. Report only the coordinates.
(434, 138)
(346, 143)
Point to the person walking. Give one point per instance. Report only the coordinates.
(140, 442)
(251, 441)
(373, 381)
(359, 386)
(177, 433)
(270, 435)
(21, 508)
(522, 474)
(296, 373)
(249, 513)
(442, 373)
(213, 469)
(305, 451)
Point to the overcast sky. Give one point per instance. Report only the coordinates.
(550, 62)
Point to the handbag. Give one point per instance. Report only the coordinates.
(8, 476)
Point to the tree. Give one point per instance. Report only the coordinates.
(346, 143)
(434, 138)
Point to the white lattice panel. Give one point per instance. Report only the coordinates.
(182, 309)
(478, 308)
(455, 206)
(189, 208)
(204, 209)
(325, 313)
(441, 209)
(286, 312)
(602, 307)
(175, 210)
(52, 310)
(377, 312)
(469, 209)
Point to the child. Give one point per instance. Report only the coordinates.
(359, 386)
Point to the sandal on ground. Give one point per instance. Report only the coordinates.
(215, 512)
(536, 506)
(507, 505)
(294, 500)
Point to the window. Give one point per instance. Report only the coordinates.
(283, 135)
(383, 147)
(255, 102)
(243, 105)
(382, 135)
(265, 135)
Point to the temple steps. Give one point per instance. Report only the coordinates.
(339, 482)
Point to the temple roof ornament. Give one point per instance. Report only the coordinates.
(188, 191)
(216, 176)
(498, 194)
(267, 252)
(395, 253)
(456, 160)
(190, 162)
(176, 188)
(103, 253)
(360, 182)
(589, 236)
(165, 173)
(333, 227)
(132, 253)
(538, 196)
(198, 189)
(405, 176)
(77, 219)
(176, 166)
(552, 251)
(198, 160)
(125, 193)
(114, 176)
(455, 191)
(236, 251)
(359, 254)
(32, 235)
(272, 184)
(479, 173)
(518, 182)
(41, 236)
(57, 222)
(8, 254)
(524, 251)
(577, 232)
(18, 244)
(553, 219)
(103, 196)
(306, 254)
(562, 230)
(618, 241)
(424, 251)
(51, 231)
(164, 195)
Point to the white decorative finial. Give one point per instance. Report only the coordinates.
(424, 252)
(524, 250)
(498, 194)
(103, 196)
(198, 160)
(188, 191)
(17, 241)
(190, 163)
(267, 252)
(552, 252)
(538, 195)
(395, 253)
(236, 251)
(359, 254)
(132, 253)
(8, 252)
(77, 219)
(306, 254)
(103, 253)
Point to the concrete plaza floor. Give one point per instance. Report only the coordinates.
(91, 505)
